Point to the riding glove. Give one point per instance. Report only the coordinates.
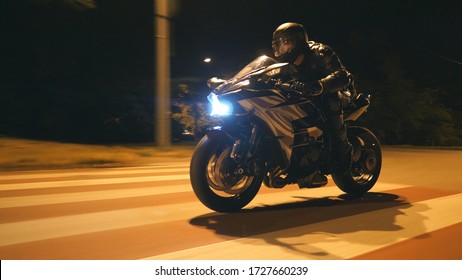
(312, 88)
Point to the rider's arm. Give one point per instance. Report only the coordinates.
(337, 77)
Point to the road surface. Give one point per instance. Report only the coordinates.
(150, 212)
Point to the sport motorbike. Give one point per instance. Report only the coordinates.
(267, 136)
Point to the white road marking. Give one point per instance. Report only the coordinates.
(340, 238)
(25, 176)
(91, 182)
(40, 229)
(49, 199)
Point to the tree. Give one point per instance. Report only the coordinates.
(77, 70)
(190, 108)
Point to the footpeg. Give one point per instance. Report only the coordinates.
(314, 180)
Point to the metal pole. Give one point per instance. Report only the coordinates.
(162, 98)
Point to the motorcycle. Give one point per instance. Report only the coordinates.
(266, 137)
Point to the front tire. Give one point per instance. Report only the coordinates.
(213, 176)
(366, 163)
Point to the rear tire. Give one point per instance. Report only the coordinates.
(366, 163)
(213, 179)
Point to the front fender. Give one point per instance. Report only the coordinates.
(219, 131)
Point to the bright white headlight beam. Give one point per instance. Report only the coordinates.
(219, 108)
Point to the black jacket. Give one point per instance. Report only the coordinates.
(321, 64)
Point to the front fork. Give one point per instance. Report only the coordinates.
(243, 153)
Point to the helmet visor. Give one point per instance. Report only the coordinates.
(281, 46)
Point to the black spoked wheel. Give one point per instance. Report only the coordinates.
(217, 180)
(366, 163)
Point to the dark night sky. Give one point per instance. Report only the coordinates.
(233, 32)
(66, 64)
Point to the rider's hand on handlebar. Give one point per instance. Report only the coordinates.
(262, 81)
(275, 83)
(301, 88)
(289, 87)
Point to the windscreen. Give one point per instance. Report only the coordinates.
(258, 63)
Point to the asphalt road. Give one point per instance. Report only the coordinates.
(150, 212)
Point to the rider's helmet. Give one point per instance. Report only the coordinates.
(289, 40)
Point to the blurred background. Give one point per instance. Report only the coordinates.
(84, 70)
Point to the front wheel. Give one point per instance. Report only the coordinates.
(366, 163)
(216, 178)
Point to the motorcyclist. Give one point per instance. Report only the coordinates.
(316, 71)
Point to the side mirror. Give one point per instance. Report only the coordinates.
(214, 82)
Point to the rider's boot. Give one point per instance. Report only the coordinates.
(341, 149)
(314, 180)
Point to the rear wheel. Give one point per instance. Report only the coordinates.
(366, 163)
(217, 180)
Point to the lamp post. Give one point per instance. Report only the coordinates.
(162, 98)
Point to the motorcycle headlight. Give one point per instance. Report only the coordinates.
(219, 108)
